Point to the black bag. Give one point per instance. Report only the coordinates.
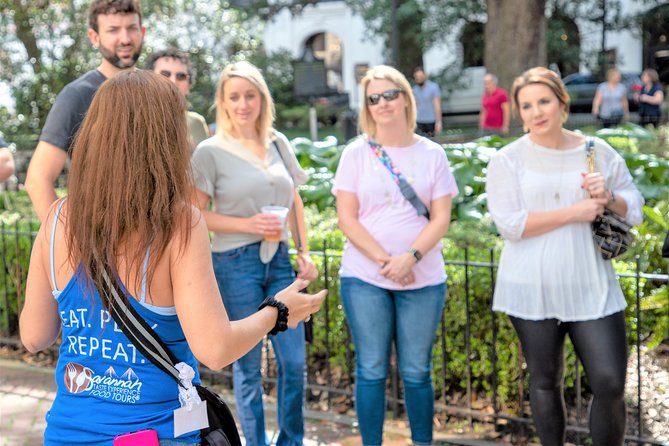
(222, 430)
(610, 232)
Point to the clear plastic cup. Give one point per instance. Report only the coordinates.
(282, 213)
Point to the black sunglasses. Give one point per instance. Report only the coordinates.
(388, 95)
(179, 75)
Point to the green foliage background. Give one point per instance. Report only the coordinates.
(471, 238)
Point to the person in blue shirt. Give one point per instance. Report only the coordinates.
(428, 104)
(650, 98)
(610, 104)
(129, 212)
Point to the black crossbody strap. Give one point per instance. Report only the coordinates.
(139, 332)
(297, 226)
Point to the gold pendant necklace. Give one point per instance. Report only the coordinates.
(556, 195)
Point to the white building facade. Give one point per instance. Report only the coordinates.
(358, 49)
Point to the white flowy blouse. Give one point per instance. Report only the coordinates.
(558, 274)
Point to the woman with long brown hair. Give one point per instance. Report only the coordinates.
(128, 212)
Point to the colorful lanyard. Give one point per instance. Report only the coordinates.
(385, 160)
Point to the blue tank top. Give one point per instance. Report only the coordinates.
(105, 387)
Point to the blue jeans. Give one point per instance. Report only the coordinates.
(244, 282)
(377, 317)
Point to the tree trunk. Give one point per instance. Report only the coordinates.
(410, 44)
(515, 38)
(26, 34)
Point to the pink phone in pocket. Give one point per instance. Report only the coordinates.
(145, 437)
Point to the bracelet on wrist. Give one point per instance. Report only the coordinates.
(282, 314)
(612, 199)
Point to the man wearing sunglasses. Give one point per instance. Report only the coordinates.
(176, 66)
(428, 104)
(116, 31)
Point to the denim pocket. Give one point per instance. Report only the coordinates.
(229, 255)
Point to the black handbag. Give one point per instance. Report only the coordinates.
(222, 430)
(610, 232)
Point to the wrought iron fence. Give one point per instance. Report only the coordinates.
(471, 381)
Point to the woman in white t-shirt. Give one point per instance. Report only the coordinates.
(392, 271)
(551, 280)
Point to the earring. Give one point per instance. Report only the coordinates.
(525, 129)
(564, 116)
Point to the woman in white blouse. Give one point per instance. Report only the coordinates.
(551, 280)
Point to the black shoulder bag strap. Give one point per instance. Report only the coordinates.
(407, 191)
(139, 332)
(309, 323)
(148, 343)
(297, 226)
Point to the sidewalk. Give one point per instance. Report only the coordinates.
(26, 394)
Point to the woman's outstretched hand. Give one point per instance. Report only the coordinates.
(300, 305)
(305, 267)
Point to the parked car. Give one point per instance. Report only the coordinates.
(582, 87)
(466, 99)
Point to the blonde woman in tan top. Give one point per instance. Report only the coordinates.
(248, 165)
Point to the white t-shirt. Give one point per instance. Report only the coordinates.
(558, 274)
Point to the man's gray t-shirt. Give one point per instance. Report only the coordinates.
(69, 110)
(239, 183)
(424, 96)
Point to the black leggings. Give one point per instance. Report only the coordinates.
(601, 345)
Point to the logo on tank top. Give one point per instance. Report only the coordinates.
(77, 377)
(109, 386)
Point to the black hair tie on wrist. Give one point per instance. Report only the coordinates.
(282, 315)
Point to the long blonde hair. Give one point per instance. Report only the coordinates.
(250, 72)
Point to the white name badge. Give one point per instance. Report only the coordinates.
(190, 420)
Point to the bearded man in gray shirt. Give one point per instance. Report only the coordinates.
(115, 29)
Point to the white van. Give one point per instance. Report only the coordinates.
(466, 99)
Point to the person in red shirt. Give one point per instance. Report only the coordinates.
(494, 116)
